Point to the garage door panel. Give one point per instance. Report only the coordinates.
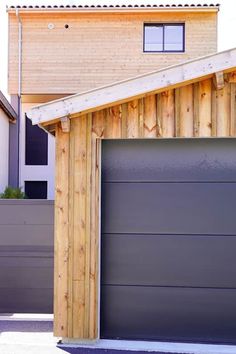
(172, 208)
(169, 260)
(165, 160)
(180, 314)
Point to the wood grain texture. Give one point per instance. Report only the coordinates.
(61, 239)
(150, 117)
(186, 111)
(167, 114)
(96, 49)
(204, 108)
(193, 110)
(223, 111)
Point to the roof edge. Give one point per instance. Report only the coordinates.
(139, 86)
(7, 108)
(116, 8)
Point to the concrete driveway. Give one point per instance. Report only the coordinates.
(34, 336)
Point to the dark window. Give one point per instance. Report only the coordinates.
(36, 145)
(36, 189)
(163, 37)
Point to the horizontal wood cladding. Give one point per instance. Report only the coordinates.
(96, 49)
(196, 110)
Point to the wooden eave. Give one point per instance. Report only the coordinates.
(140, 86)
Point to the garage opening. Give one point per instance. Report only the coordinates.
(169, 240)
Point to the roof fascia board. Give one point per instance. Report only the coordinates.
(173, 76)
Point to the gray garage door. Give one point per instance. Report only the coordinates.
(169, 240)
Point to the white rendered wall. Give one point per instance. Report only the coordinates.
(4, 150)
(36, 173)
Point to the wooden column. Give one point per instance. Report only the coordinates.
(61, 240)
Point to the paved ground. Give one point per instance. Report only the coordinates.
(36, 337)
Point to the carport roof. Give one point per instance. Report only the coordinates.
(137, 87)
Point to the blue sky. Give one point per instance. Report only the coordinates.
(226, 23)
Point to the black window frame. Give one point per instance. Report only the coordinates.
(156, 24)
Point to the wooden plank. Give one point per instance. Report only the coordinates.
(61, 238)
(114, 122)
(98, 124)
(205, 108)
(223, 111)
(124, 113)
(88, 255)
(186, 111)
(141, 117)
(79, 230)
(233, 109)
(196, 109)
(168, 113)
(132, 120)
(71, 231)
(213, 110)
(177, 112)
(95, 230)
(150, 117)
(159, 114)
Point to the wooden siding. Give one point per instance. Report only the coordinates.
(96, 49)
(196, 110)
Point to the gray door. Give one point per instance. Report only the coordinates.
(169, 240)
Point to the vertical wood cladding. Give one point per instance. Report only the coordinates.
(195, 110)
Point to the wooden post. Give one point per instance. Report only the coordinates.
(61, 239)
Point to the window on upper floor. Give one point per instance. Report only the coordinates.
(163, 37)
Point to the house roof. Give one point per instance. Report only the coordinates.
(7, 108)
(140, 86)
(119, 6)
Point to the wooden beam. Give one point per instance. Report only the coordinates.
(232, 77)
(219, 80)
(65, 124)
(154, 82)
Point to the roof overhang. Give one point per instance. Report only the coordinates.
(120, 8)
(7, 108)
(140, 86)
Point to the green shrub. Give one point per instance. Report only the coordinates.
(12, 193)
